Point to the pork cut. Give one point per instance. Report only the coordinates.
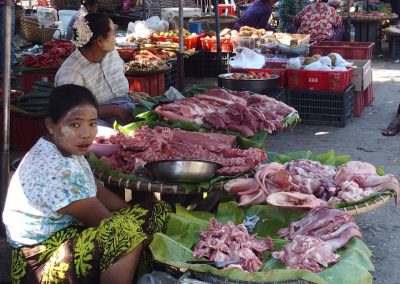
(162, 143)
(228, 241)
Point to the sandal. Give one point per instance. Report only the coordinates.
(391, 130)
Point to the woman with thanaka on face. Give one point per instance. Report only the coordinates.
(62, 226)
(96, 65)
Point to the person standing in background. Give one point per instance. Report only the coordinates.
(88, 7)
(2, 7)
(256, 15)
(287, 10)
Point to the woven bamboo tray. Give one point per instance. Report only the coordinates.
(32, 32)
(148, 186)
(367, 206)
(221, 280)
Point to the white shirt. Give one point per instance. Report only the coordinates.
(106, 80)
(44, 182)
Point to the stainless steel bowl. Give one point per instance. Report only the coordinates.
(183, 171)
(260, 86)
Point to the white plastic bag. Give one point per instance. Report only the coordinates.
(294, 63)
(246, 58)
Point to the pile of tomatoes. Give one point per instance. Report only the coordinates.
(249, 76)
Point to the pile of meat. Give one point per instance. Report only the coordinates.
(352, 181)
(237, 111)
(223, 242)
(162, 143)
(315, 238)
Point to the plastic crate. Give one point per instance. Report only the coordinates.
(154, 85)
(280, 72)
(25, 131)
(29, 78)
(193, 64)
(323, 107)
(210, 66)
(210, 45)
(394, 46)
(191, 42)
(278, 94)
(171, 76)
(348, 50)
(359, 103)
(301, 79)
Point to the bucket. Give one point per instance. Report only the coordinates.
(65, 17)
(195, 28)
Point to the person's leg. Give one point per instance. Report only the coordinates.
(394, 126)
(337, 33)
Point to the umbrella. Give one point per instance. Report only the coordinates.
(5, 154)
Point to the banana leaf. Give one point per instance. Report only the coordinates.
(328, 158)
(175, 247)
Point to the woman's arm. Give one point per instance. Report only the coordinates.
(111, 201)
(89, 211)
(107, 111)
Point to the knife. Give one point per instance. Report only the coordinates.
(217, 264)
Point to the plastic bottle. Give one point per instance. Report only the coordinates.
(352, 33)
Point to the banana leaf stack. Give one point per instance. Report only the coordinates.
(36, 101)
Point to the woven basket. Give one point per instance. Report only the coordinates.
(65, 4)
(368, 206)
(137, 185)
(208, 22)
(32, 32)
(110, 5)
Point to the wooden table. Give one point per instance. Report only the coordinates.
(368, 28)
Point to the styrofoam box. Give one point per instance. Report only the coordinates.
(362, 74)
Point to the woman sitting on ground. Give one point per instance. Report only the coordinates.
(63, 227)
(96, 65)
(319, 20)
(87, 7)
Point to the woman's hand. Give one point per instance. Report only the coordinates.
(124, 114)
(89, 211)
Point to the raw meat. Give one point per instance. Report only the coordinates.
(359, 179)
(294, 200)
(161, 143)
(237, 111)
(312, 177)
(232, 242)
(308, 253)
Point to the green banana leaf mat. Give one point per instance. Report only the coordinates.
(174, 247)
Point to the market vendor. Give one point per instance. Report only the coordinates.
(256, 15)
(96, 65)
(62, 225)
(319, 20)
(87, 7)
(287, 11)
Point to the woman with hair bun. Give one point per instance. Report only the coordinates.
(96, 65)
(87, 7)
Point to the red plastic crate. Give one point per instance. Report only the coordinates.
(27, 79)
(337, 81)
(192, 42)
(25, 131)
(348, 50)
(280, 72)
(359, 104)
(154, 85)
(210, 45)
(369, 95)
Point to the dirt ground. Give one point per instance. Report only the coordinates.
(361, 139)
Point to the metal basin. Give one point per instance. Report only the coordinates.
(260, 86)
(183, 171)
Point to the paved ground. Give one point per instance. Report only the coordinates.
(362, 140)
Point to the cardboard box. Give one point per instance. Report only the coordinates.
(362, 74)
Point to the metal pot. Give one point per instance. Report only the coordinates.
(183, 171)
(260, 86)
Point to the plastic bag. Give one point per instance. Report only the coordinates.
(246, 58)
(173, 94)
(293, 63)
(157, 277)
(46, 16)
